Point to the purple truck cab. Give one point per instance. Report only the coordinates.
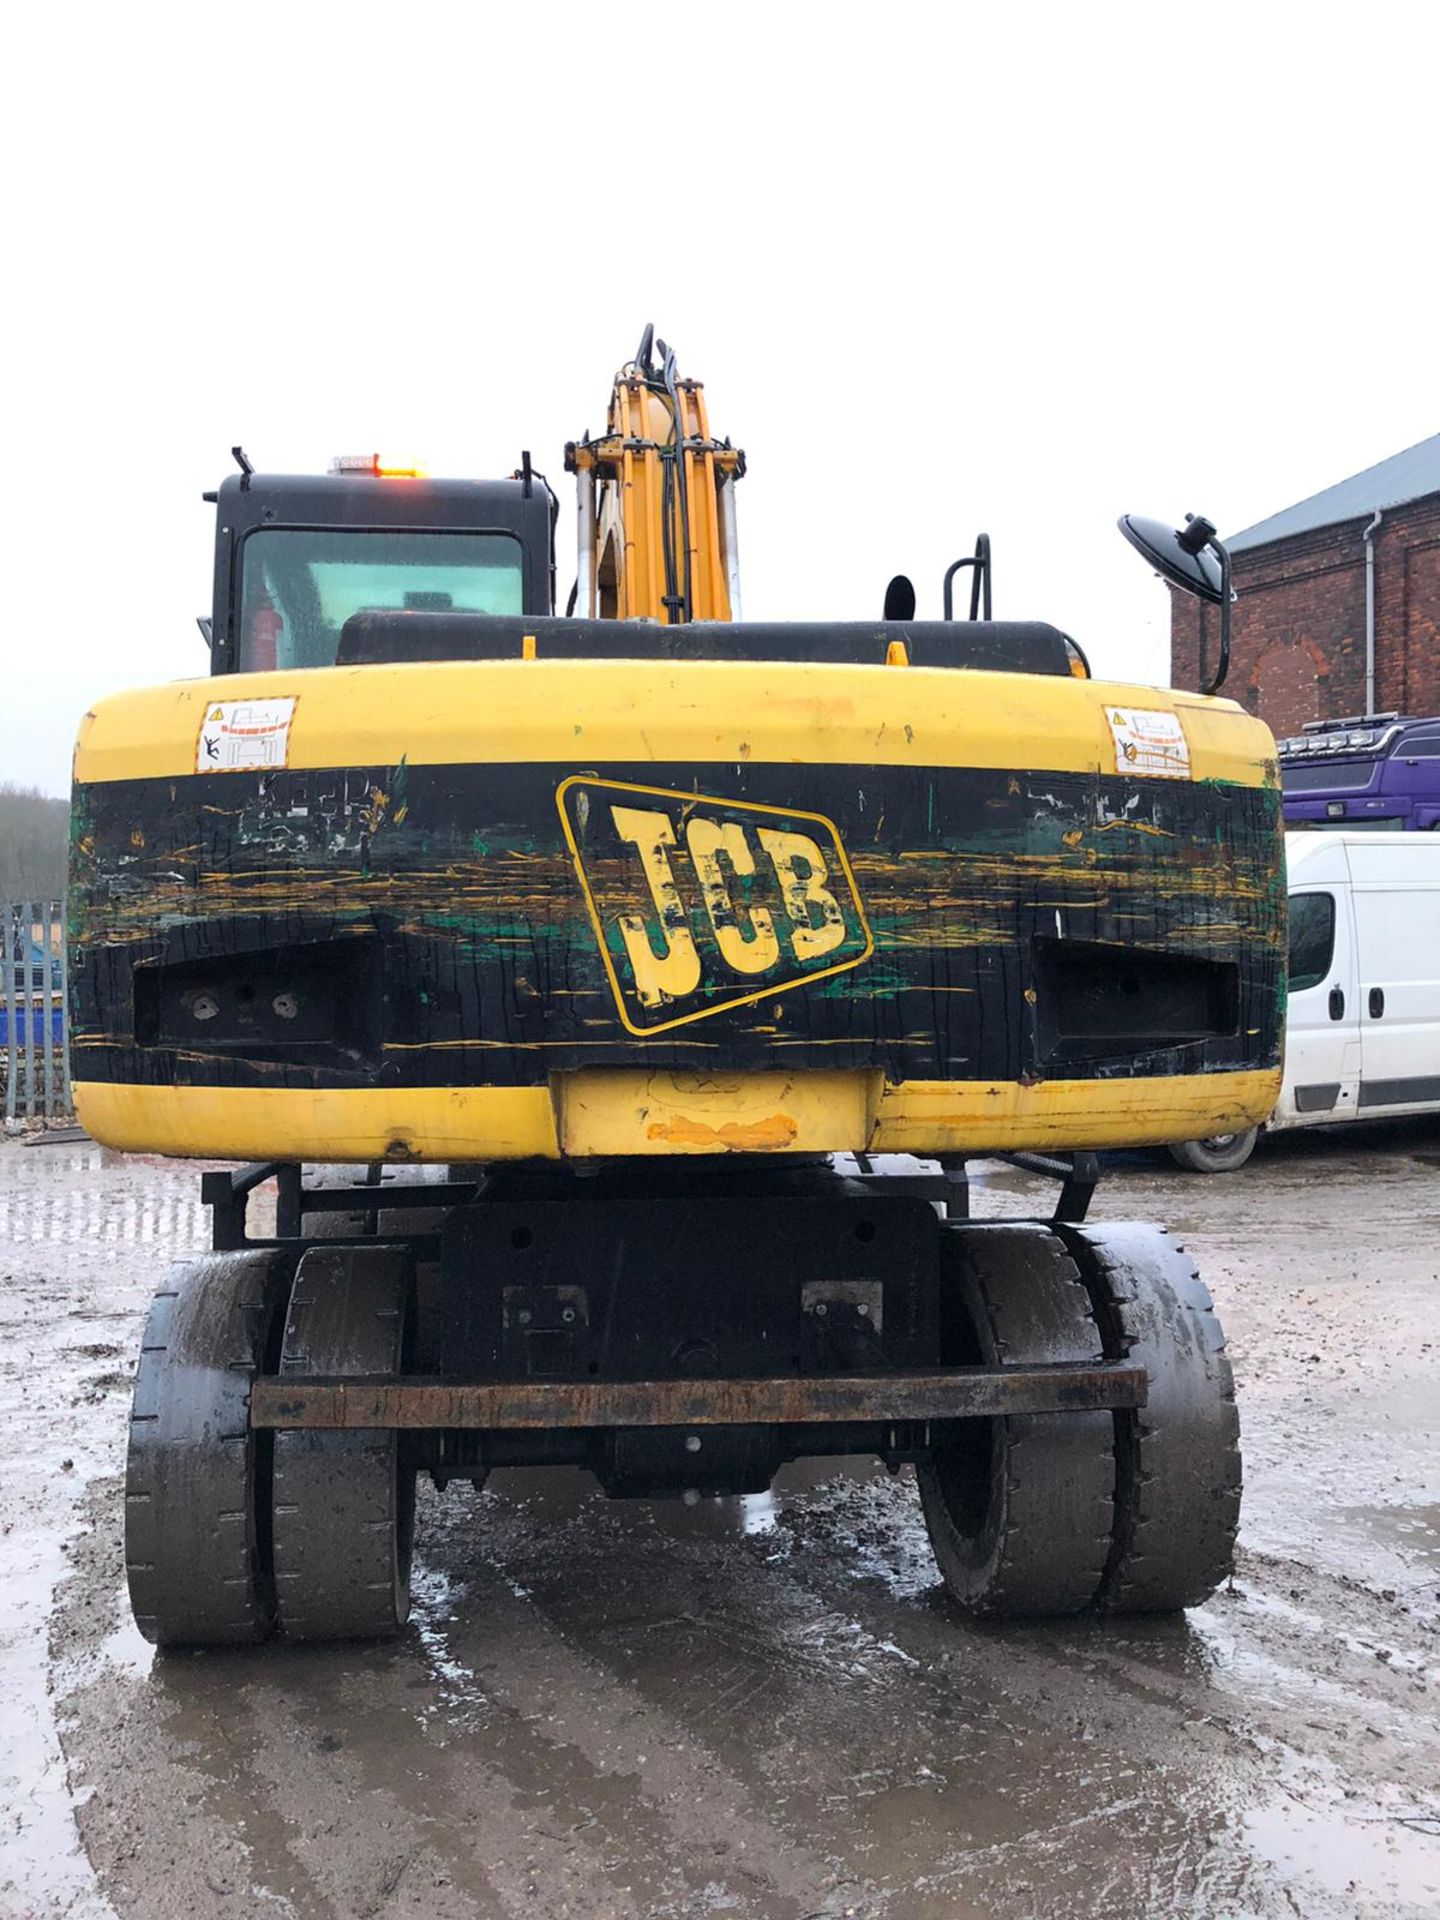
(1379, 770)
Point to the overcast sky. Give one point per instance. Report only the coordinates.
(940, 268)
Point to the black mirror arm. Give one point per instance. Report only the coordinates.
(1222, 666)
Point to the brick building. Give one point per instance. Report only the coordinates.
(1338, 602)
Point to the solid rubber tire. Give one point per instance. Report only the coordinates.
(1019, 1509)
(197, 1551)
(344, 1500)
(1178, 1468)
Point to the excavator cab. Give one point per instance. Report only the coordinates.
(297, 555)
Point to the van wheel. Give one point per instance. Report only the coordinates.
(1221, 1153)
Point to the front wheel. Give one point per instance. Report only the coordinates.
(1221, 1153)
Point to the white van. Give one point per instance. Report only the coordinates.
(1362, 1033)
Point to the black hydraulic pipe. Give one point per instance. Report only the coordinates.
(980, 582)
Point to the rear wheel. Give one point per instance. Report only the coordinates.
(1019, 1509)
(1177, 1500)
(197, 1495)
(345, 1500)
(1221, 1153)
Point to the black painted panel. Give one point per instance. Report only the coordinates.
(493, 969)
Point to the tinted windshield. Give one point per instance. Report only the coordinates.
(1304, 776)
(300, 586)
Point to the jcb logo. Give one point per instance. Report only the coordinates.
(700, 903)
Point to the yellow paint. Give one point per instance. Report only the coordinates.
(605, 1111)
(708, 712)
(897, 654)
(932, 1116)
(626, 1110)
(260, 1123)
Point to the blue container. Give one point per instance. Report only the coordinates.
(37, 1025)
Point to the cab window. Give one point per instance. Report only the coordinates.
(1312, 938)
(300, 585)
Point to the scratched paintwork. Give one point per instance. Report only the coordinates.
(492, 970)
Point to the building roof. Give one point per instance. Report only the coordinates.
(1404, 476)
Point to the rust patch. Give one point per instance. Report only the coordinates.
(740, 1136)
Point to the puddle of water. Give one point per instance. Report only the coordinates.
(125, 1648)
(1287, 1611)
(124, 1652)
(1249, 1665)
(1383, 1856)
(1414, 1530)
(870, 1520)
(435, 1601)
(42, 1860)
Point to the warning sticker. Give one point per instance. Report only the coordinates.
(236, 734)
(1149, 742)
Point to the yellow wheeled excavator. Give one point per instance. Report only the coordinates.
(615, 999)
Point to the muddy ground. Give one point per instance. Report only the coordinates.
(764, 1707)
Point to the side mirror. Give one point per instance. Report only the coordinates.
(1193, 559)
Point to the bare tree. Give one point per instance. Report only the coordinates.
(34, 830)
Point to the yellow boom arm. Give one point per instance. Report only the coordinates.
(657, 502)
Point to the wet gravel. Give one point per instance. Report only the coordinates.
(760, 1707)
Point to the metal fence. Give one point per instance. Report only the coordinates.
(34, 1026)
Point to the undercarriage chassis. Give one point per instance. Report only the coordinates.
(1060, 1390)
